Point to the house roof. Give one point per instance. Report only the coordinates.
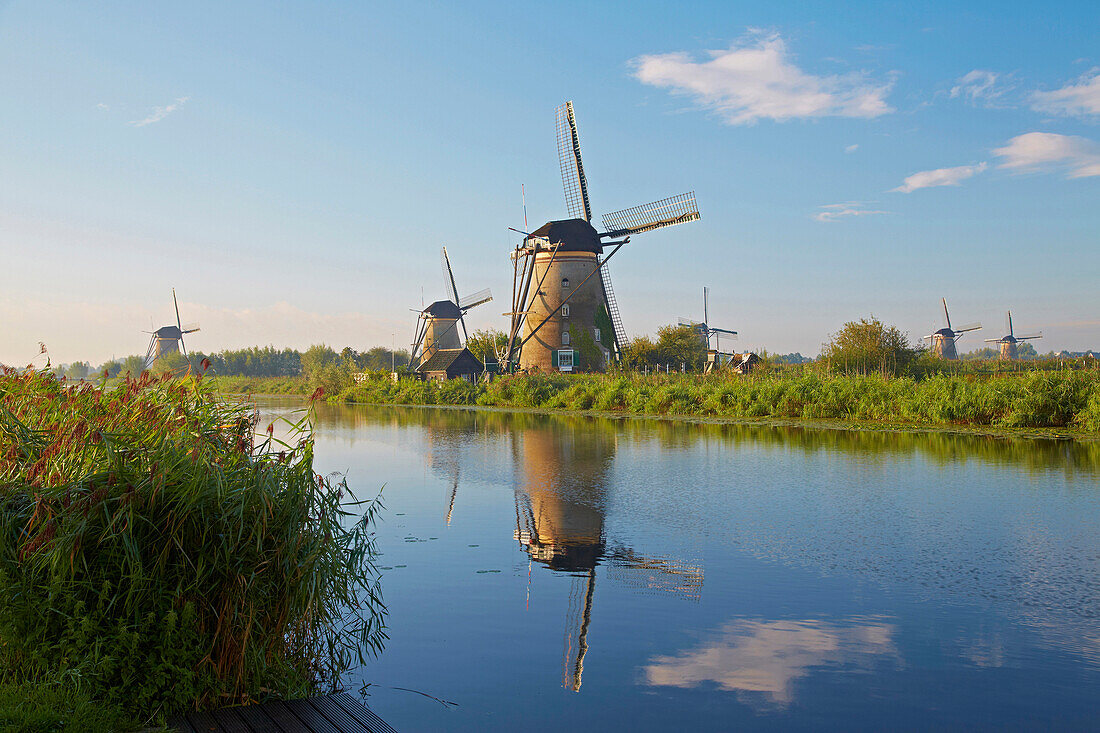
(442, 360)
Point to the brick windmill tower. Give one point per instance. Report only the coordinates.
(943, 340)
(168, 339)
(564, 314)
(1008, 343)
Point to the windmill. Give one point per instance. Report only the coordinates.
(168, 339)
(704, 329)
(943, 340)
(561, 292)
(1008, 342)
(438, 325)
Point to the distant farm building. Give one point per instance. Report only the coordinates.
(444, 364)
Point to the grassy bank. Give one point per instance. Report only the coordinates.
(155, 558)
(1025, 400)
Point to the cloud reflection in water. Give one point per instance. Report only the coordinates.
(764, 658)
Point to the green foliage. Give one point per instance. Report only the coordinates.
(678, 345)
(157, 559)
(486, 344)
(132, 365)
(1032, 399)
(56, 708)
(868, 346)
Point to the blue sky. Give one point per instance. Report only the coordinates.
(293, 172)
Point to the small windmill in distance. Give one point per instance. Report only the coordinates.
(1008, 342)
(943, 340)
(168, 339)
(438, 324)
(704, 329)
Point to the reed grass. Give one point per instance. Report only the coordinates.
(156, 555)
(1031, 399)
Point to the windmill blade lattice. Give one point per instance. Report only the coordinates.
(655, 215)
(572, 169)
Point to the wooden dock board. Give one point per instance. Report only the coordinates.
(339, 713)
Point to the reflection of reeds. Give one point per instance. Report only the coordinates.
(151, 552)
(1023, 400)
(1068, 456)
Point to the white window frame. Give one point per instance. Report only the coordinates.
(564, 338)
(564, 310)
(568, 353)
(565, 283)
(596, 330)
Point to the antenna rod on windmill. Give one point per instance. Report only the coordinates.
(523, 193)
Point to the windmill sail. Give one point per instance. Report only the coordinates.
(572, 169)
(450, 277)
(473, 299)
(656, 215)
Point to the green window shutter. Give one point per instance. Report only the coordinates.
(554, 358)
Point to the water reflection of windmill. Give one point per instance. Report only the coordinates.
(168, 339)
(1009, 341)
(560, 509)
(943, 340)
(438, 325)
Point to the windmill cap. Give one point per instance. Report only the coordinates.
(443, 309)
(168, 332)
(571, 235)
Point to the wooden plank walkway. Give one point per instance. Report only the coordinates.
(340, 713)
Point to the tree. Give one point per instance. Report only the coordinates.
(681, 345)
(869, 346)
(77, 370)
(172, 362)
(639, 352)
(487, 343)
(132, 365)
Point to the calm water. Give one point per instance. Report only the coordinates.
(570, 573)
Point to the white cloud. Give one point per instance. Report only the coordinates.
(978, 86)
(1078, 156)
(159, 113)
(939, 177)
(836, 212)
(757, 79)
(851, 148)
(102, 106)
(1082, 98)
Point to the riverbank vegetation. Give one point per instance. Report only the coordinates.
(156, 557)
(868, 371)
(1025, 400)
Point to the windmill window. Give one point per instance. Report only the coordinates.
(565, 283)
(597, 331)
(565, 311)
(565, 360)
(564, 338)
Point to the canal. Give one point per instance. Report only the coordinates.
(576, 573)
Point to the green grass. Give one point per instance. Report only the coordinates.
(1030, 399)
(158, 558)
(56, 708)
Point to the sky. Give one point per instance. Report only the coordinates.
(293, 169)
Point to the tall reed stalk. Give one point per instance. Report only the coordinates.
(154, 553)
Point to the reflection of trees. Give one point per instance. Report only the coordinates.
(1033, 454)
